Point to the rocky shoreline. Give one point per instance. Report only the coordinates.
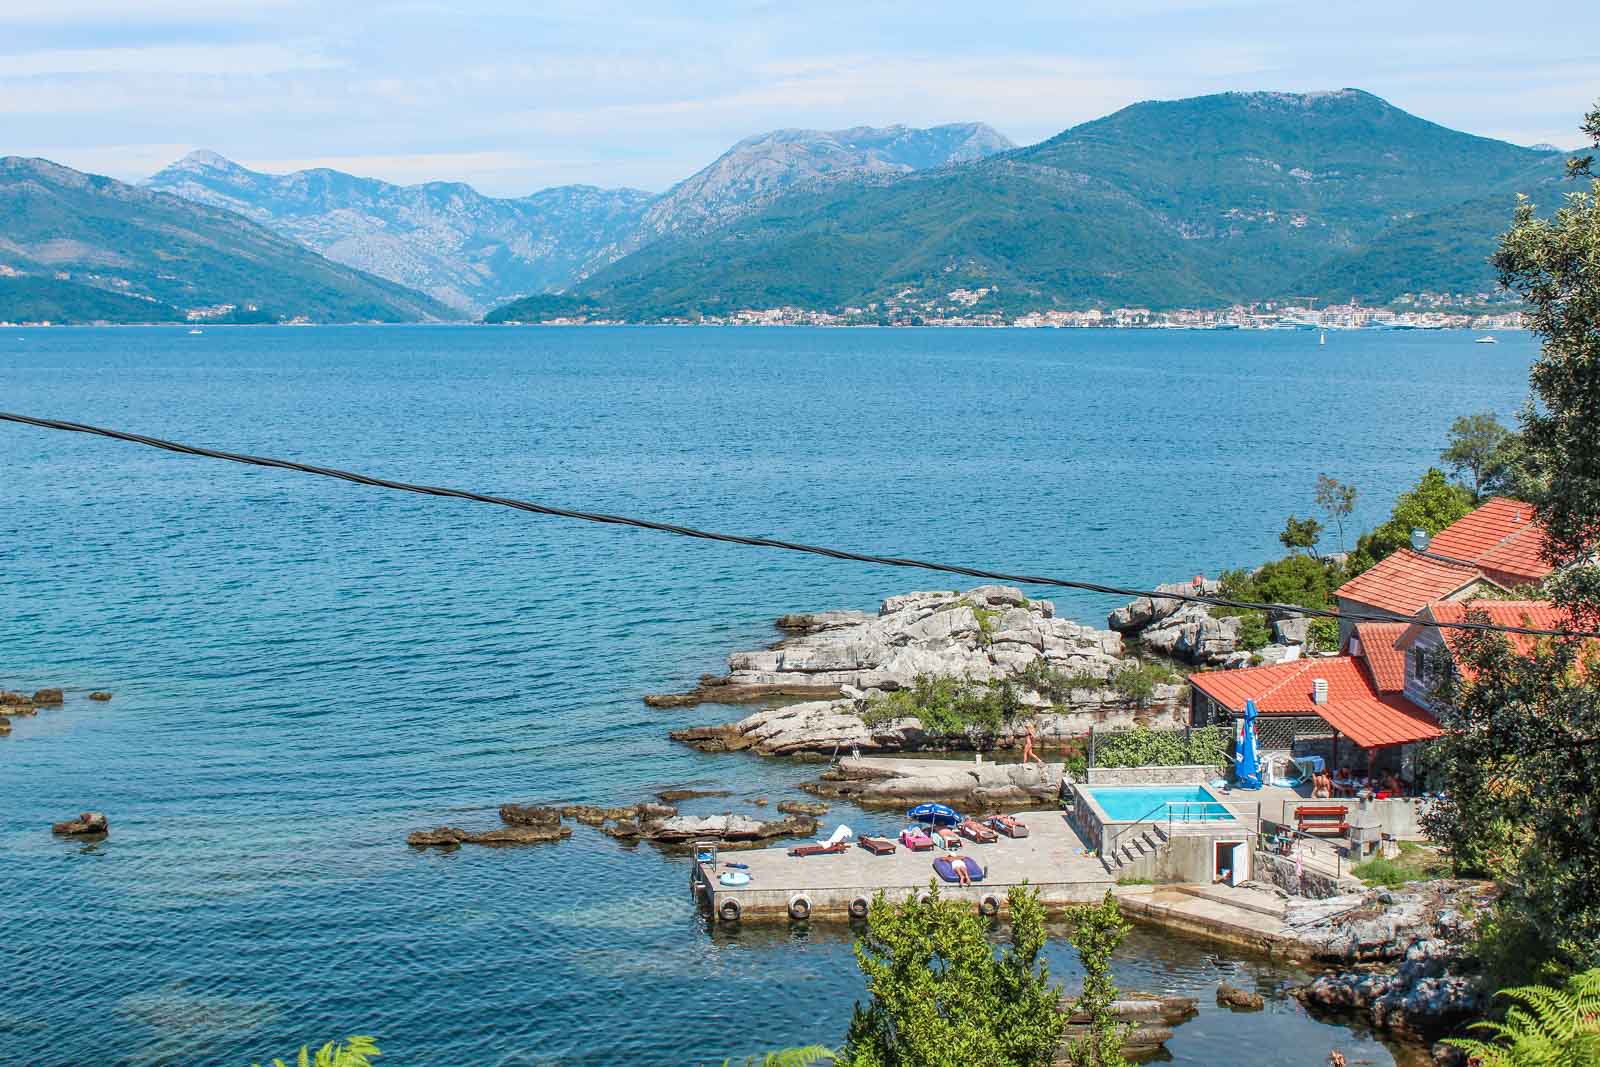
(1399, 953)
(527, 824)
(20, 705)
(1061, 674)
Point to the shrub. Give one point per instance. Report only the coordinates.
(1137, 680)
(1322, 635)
(1254, 632)
(1056, 685)
(939, 995)
(1208, 746)
(949, 707)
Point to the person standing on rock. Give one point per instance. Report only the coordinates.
(1028, 753)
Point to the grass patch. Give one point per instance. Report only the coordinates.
(1136, 881)
(1416, 863)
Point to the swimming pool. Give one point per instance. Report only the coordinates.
(1132, 803)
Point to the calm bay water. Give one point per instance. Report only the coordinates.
(306, 670)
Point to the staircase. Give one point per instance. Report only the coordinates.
(1134, 848)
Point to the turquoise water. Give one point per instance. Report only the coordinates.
(1127, 803)
(306, 670)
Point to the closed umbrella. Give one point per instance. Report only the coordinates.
(1246, 763)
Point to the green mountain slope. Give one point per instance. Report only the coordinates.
(49, 300)
(1196, 202)
(107, 235)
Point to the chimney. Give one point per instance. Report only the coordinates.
(1319, 690)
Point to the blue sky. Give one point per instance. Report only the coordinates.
(513, 97)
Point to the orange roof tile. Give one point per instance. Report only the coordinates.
(1384, 656)
(1407, 581)
(1539, 614)
(1355, 707)
(1499, 534)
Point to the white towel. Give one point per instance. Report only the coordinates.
(841, 833)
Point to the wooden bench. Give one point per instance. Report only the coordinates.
(1312, 819)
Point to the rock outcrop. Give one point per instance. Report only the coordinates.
(803, 807)
(1401, 949)
(49, 696)
(1189, 632)
(87, 824)
(727, 828)
(100, 694)
(1229, 996)
(986, 635)
(451, 837)
(977, 785)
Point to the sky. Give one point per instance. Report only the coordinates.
(513, 97)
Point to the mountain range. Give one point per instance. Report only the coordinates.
(474, 252)
(1199, 202)
(76, 247)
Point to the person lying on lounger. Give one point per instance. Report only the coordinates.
(959, 865)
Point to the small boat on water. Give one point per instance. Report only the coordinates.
(1487, 339)
(195, 331)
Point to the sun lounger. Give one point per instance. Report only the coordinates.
(973, 830)
(1009, 825)
(820, 850)
(946, 838)
(878, 846)
(916, 839)
(945, 867)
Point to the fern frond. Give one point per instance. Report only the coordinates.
(798, 1057)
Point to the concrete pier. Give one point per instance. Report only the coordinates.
(1052, 859)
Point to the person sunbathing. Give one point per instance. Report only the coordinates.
(959, 865)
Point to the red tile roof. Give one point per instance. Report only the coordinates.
(1539, 614)
(1501, 537)
(1383, 654)
(1355, 707)
(1407, 581)
(1498, 540)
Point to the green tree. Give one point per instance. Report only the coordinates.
(1521, 723)
(1431, 505)
(1301, 534)
(1543, 1027)
(1338, 500)
(939, 995)
(1477, 447)
(1097, 930)
(355, 1052)
(1554, 265)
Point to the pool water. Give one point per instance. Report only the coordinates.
(1133, 803)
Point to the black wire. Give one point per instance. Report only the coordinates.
(763, 542)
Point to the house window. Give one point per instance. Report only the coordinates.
(1419, 664)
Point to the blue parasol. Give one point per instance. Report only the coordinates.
(1246, 762)
(934, 813)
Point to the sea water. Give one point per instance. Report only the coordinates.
(306, 670)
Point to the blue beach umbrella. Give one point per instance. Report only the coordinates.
(1246, 763)
(934, 813)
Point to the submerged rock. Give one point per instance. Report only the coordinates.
(803, 807)
(451, 837)
(100, 694)
(1239, 999)
(529, 815)
(672, 796)
(87, 823)
(49, 696)
(16, 704)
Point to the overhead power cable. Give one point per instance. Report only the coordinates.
(768, 542)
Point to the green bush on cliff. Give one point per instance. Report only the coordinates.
(1545, 1026)
(1208, 746)
(948, 706)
